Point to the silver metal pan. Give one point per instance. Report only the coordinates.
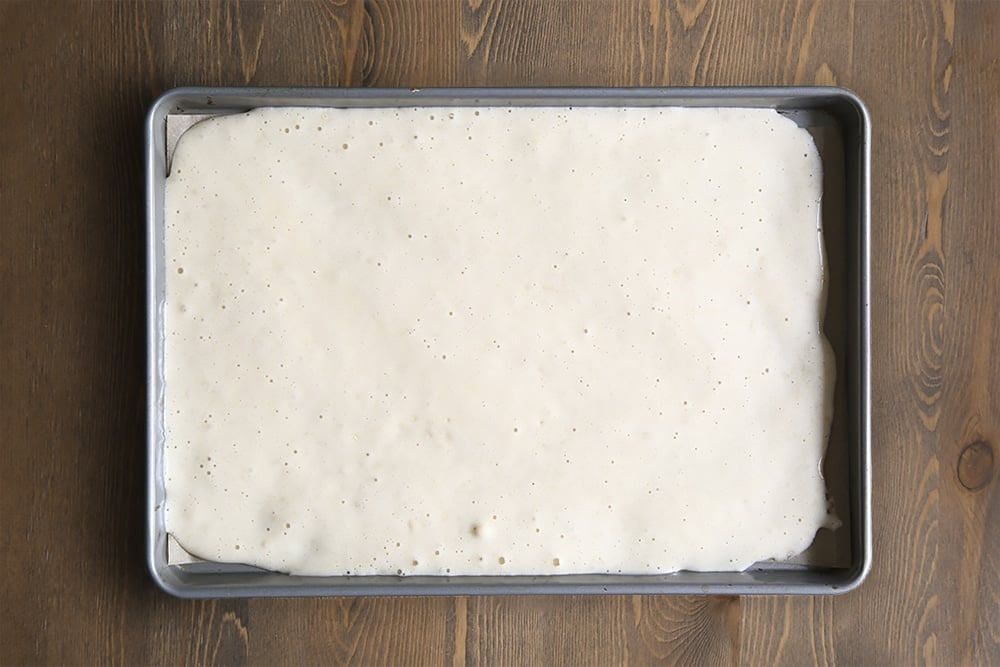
(837, 561)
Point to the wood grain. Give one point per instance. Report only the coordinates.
(77, 78)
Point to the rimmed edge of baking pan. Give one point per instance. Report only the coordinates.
(835, 108)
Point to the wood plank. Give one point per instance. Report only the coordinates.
(249, 43)
(903, 596)
(353, 631)
(964, 102)
(66, 239)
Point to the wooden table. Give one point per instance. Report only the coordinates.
(75, 81)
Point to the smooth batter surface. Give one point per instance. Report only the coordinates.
(471, 341)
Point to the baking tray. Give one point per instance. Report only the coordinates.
(837, 562)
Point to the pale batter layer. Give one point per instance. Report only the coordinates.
(495, 341)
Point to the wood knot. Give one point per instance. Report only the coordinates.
(975, 465)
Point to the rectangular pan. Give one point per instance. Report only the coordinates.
(838, 560)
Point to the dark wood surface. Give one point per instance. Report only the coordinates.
(75, 81)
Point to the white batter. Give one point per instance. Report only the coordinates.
(482, 341)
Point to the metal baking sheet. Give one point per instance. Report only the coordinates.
(838, 560)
